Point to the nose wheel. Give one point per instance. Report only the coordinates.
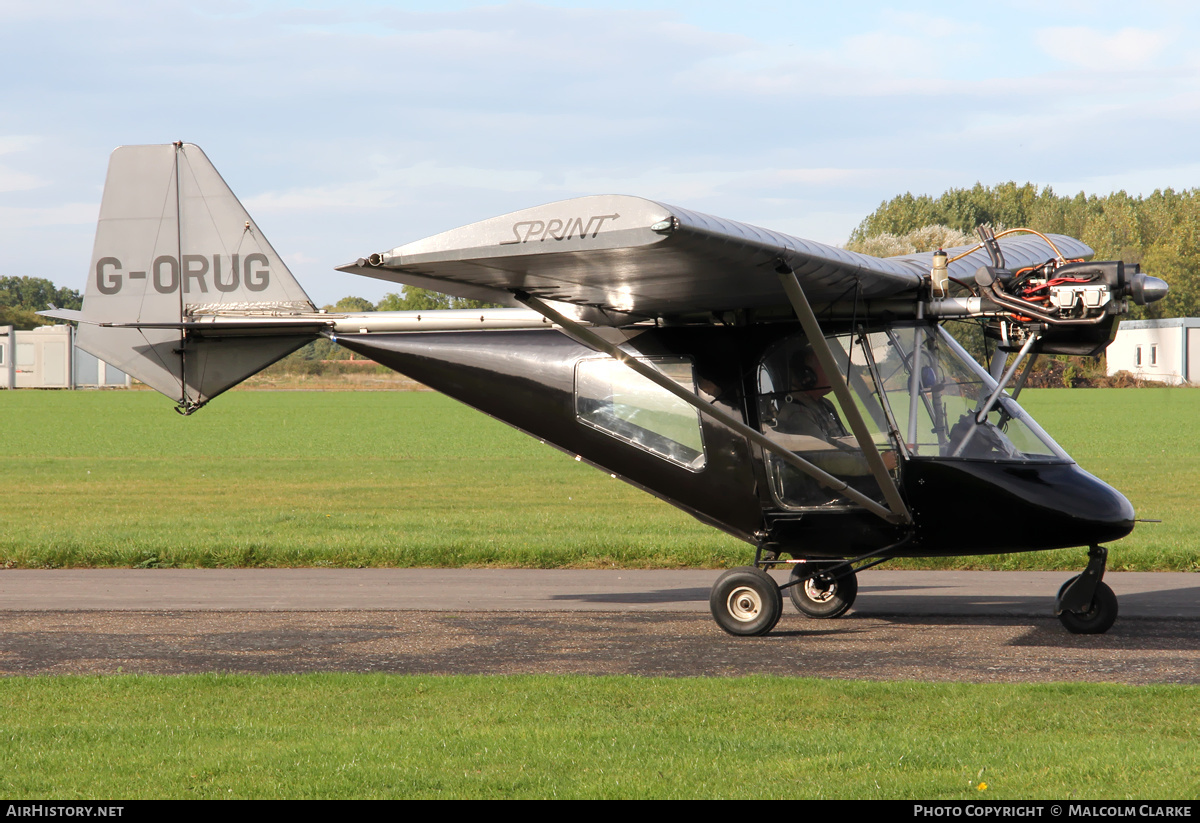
(1085, 604)
(1096, 618)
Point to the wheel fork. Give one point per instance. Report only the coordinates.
(1078, 596)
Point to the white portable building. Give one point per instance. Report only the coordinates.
(1165, 351)
(46, 358)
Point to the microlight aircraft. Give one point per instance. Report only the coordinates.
(803, 398)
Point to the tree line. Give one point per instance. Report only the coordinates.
(22, 297)
(411, 299)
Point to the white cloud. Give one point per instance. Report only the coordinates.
(1090, 49)
(67, 214)
(912, 45)
(11, 180)
(12, 143)
(391, 187)
(1143, 181)
(299, 258)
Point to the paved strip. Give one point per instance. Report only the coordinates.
(673, 644)
(881, 592)
(956, 626)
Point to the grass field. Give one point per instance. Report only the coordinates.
(415, 479)
(330, 736)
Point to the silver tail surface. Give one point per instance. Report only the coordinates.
(174, 248)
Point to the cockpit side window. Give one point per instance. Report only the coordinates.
(613, 398)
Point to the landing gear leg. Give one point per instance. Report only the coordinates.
(746, 601)
(1085, 604)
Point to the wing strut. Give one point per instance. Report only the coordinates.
(589, 338)
(808, 321)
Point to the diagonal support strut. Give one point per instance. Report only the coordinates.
(812, 328)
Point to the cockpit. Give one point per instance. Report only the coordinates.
(919, 393)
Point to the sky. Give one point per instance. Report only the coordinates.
(353, 127)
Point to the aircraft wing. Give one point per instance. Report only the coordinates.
(631, 256)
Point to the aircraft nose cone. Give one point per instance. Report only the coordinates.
(1147, 289)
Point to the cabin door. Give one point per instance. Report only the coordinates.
(797, 408)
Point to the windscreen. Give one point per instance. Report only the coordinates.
(935, 391)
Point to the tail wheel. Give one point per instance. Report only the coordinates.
(823, 596)
(1098, 618)
(746, 602)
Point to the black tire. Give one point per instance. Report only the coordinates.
(823, 599)
(746, 602)
(1098, 618)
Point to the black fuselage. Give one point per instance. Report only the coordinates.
(959, 506)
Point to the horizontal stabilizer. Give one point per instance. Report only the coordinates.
(69, 315)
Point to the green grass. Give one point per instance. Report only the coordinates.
(310, 479)
(415, 479)
(332, 736)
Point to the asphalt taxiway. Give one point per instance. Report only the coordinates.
(960, 626)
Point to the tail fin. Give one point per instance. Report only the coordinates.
(173, 245)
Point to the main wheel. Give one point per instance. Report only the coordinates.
(1100, 615)
(823, 597)
(745, 601)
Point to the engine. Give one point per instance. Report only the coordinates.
(1071, 305)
